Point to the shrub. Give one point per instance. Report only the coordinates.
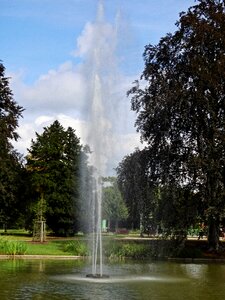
(12, 247)
(76, 248)
(117, 250)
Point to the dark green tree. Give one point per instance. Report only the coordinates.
(10, 162)
(113, 205)
(86, 191)
(175, 211)
(181, 109)
(53, 163)
(137, 189)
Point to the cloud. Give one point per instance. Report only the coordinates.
(61, 89)
(43, 120)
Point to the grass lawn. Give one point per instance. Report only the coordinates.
(20, 242)
(16, 234)
(14, 239)
(48, 248)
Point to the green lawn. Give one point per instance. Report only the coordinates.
(16, 234)
(115, 246)
(48, 248)
(15, 241)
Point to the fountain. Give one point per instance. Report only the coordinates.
(98, 134)
(96, 233)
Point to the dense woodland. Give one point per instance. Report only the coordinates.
(176, 183)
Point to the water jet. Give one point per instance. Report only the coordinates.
(98, 135)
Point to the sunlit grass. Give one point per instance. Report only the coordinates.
(16, 234)
(11, 246)
(47, 248)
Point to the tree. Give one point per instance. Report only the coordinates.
(181, 110)
(175, 211)
(53, 162)
(86, 191)
(137, 189)
(10, 162)
(114, 208)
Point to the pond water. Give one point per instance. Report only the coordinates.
(66, 279)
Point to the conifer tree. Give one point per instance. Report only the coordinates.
(10, 165)
(53, 163)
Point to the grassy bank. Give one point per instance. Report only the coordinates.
(10, 246)
(114, 247)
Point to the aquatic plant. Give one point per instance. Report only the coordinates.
(12, 247)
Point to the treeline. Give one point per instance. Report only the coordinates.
(178, 180)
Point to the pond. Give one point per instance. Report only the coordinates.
(66, 279)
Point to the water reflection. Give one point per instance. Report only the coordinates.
(27, 279)
(195, 270)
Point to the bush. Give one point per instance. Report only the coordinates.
(76, 248)
(12, 247)
(122, 250)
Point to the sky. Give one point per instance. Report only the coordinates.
(47, 48)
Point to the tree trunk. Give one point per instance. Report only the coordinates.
(213, 233)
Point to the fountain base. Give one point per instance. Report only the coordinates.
(97, 276)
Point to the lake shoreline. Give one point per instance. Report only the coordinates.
(63, 257)
(75, 257)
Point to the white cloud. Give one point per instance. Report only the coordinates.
(42, 120)
(61, 89)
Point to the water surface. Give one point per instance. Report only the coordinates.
(47, 279)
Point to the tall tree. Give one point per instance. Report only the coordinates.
(86, 191)
(10, 164)
(175, 211)
(53, 162)
(114, 208)
(137, 188)
(181, 110)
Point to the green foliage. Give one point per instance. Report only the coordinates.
(76, 247)
(175, 210)
(53, 165)
(86, 194)
(181, 110)
(137, 189)
(9, 112)
(114, 208)
(12, 247)
(121, 250)
(10, 160)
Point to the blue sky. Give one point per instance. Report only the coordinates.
(43, 47)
